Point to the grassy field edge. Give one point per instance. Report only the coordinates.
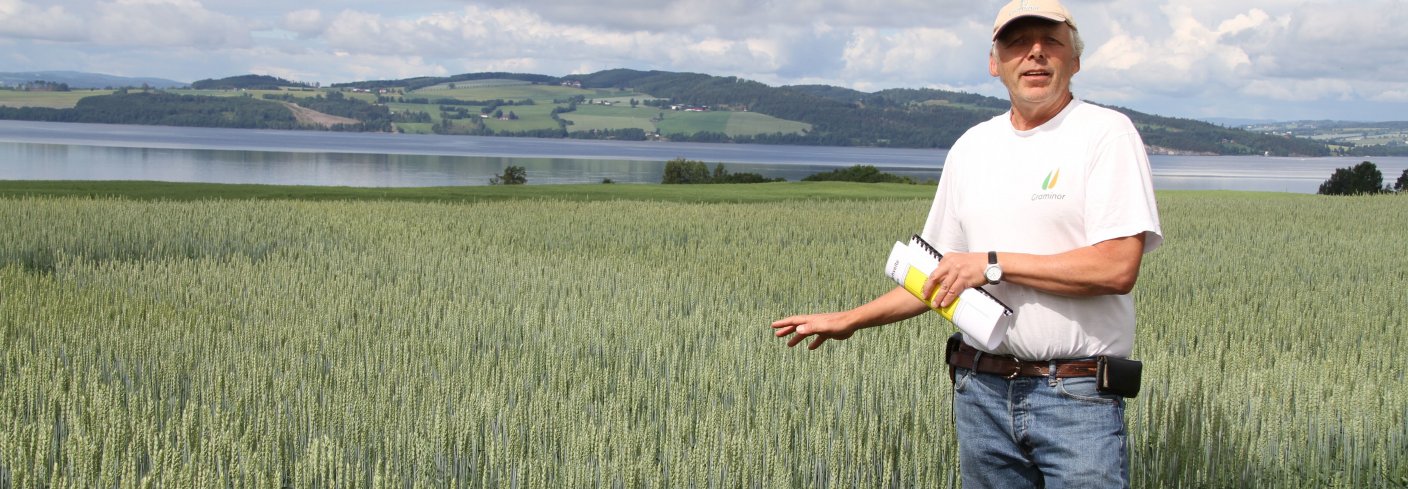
(766, 192)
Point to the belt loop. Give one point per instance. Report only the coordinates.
(977, 354)
(1051, 373)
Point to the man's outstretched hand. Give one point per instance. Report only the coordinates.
(825, 326)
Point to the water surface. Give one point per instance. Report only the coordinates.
(61, 151)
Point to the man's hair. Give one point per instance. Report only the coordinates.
(1077, 43)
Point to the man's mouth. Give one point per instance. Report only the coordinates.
(1036, 73)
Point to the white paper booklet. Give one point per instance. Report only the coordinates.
(976, 312)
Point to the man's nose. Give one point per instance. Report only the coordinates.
(1037, 51)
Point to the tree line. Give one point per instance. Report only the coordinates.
(244, 112)
(246, 82)
(164, 109)
(682, 171)
(39, 86)
(372, 117)
(1361, 179)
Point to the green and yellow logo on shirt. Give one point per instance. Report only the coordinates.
(1048, 187)
(1051, 178)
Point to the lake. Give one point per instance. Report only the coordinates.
(61, 151)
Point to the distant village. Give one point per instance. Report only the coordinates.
(676, 107)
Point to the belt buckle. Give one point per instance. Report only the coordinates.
(1016, 367)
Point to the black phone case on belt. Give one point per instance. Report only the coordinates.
(1116, 375)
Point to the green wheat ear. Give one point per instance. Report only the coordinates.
(1046, 184)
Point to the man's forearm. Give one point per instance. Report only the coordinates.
(894, 306)
(1108, 267)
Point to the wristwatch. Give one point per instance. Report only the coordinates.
(994, 271)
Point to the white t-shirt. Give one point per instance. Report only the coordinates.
(1081, 178)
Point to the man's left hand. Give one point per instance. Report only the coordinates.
(956, 273)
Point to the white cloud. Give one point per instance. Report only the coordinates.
(347, 67)
(497, 37)
(1300, 90)
(125, 23)
(916, 56)
(306, 22)
(1189, 60)
(1399, 95)
(1166, 56)
(749, 18)
(53, 23)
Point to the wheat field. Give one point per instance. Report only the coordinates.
(543, 343)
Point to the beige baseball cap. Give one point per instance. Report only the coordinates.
(1046, 9)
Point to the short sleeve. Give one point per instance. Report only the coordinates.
(943, 228)
(1119, 198)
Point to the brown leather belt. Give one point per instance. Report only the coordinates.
(1010, 367)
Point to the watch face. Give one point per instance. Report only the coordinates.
(993, 274)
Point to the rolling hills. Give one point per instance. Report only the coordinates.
(620, 104)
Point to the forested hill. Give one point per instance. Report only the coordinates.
(912, 118)
(1175, 135)
(410, 84)
(246, 82)
(835, 120)
(921, 118)
(734, 110)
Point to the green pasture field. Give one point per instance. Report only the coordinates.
(588, 117)
(541, 94)
(626, 101)
(418, 127)
(690, 122)
(52, 100)
(731, 123)
(748, 123)
(496, 82)
(529, 117)
(432, 109)
(197, 335)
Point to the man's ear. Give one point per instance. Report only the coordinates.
(992, 65)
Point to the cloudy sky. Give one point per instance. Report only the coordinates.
(1255, 59)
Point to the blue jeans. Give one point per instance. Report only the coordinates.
(1038, 432)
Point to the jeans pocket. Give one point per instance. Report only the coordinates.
(960, 379)
(1084, 389)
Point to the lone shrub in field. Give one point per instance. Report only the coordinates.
(1364, 178)
(513, 175)
(858, 173)
(682, 171)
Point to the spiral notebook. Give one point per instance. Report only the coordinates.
(976, 312)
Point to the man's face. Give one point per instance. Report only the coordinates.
(1035, 60)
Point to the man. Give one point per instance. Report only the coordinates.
(1051, 207)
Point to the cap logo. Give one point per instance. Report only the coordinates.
(1026, 6)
